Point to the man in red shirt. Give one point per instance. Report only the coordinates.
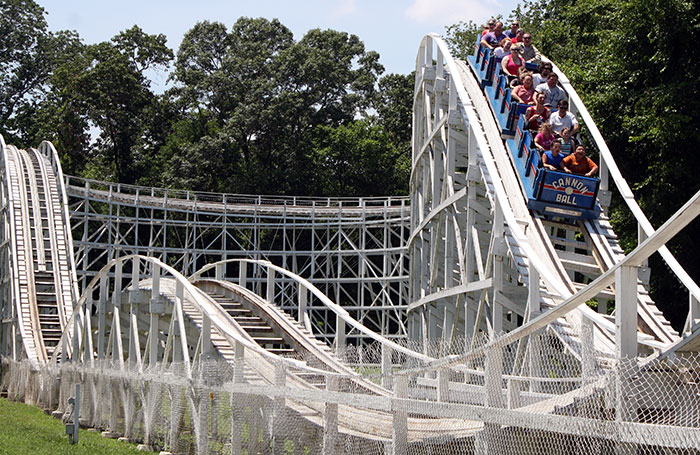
(578, 163)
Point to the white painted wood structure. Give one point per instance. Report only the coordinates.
(351, 248)
(248, 354)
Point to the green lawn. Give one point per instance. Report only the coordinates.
(27, 430)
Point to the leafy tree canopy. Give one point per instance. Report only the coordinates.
(251, 109)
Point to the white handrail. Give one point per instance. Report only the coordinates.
(216, 315)
(621, 184)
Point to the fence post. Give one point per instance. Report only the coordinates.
(278, 434)
(237, 409)
(330, 419)
(339, 335)
(493, 381)
(625, 350)
(399, 434)
(588, 362)
(387, 366)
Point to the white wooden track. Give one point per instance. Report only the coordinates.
(230, 324)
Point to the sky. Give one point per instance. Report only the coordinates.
(394, 28)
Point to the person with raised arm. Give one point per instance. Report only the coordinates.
(551, 159)
(578, 163)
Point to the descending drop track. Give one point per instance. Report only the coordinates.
(39, 271)
(473, 226)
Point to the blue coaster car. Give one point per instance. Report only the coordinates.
(550, 193)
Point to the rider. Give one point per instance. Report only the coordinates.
(578, 163)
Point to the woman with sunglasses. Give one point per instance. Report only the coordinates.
(513, 62)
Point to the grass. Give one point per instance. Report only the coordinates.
(25, 429)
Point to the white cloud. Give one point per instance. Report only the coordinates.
(446, 12)
(344, 8)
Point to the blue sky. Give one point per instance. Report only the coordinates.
(394, 28)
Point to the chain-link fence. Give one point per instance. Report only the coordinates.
(478, 397)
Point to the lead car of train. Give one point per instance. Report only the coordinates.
(550, 193)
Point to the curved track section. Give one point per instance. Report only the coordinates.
(38, 280)
(481, 261)
(158, 320)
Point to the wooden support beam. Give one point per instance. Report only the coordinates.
(179, 298)
(399, 434)
(302, 297)
(206, 337)
(626, 313)
(101, 317)
(270, 286)
(330, 419)
(155, 317)
(340, 335)
(242, 273)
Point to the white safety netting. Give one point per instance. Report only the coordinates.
(524, 398)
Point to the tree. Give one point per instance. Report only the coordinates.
(28, 56)
(109, 85)
(394, 104)
(358, 158)
(266, 93)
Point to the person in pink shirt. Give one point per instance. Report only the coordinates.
(545, 137)
(524, 93)
(512, 63)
